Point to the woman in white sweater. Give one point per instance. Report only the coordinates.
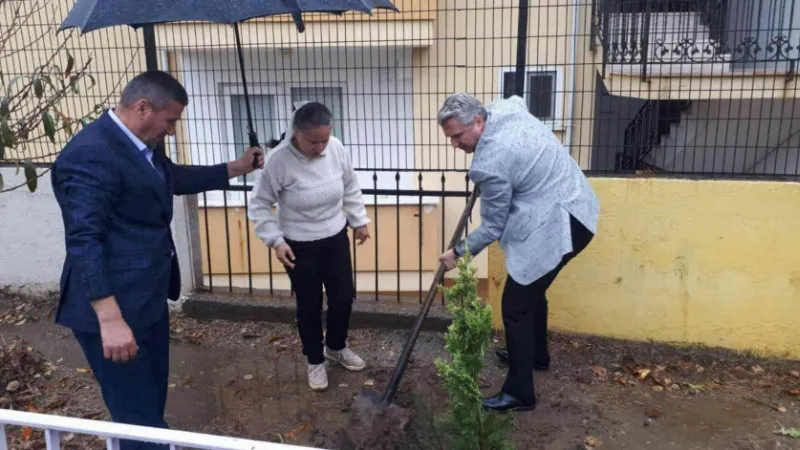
(311, 179)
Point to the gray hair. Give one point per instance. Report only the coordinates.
(155, 86)
(462, 107)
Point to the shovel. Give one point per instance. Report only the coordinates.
(376, 422)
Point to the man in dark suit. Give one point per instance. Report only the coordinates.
(114, 186)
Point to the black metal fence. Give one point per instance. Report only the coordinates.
(675, 87)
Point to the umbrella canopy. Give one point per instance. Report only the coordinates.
(90, 15)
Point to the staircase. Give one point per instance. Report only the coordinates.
(669, 153)
(649, 132)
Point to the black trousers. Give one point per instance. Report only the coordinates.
(135, 392)
(525, 321)
(325, 262)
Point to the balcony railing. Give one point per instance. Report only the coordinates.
(746, 34)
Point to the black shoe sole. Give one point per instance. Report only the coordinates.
(515, 409)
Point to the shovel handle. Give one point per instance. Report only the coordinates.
(402, 363)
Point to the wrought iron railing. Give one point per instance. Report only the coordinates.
(647, 32)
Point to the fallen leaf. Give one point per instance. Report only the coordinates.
(621, 380)
(273, 338)
(658, 388)
(248, 377)
(642, 374)
(789, 432)
(652, 413)
(592, 441)
(795, 374)
(667, 382)
(68, 438)
(13, 386)
(369, 383)
(172, 385)
(781, 409)
(83, 371)
(758, 369)
(344, 385)
(599, 371)
(26, 433)
(32, 408)
(696, 387)
(794, 392)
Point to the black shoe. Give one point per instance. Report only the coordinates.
(503, 402)
(537, 365)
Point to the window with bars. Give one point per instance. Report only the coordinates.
(262, 107)
(541, 87)
(328, 96)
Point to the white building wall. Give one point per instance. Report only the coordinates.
(32, 248)
(31, 236)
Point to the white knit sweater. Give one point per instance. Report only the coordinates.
(316, 197)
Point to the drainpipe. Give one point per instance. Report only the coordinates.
(173, 145)
(573, 60)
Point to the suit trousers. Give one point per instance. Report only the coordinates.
(525, 321)
(135, 392)
(325, 262)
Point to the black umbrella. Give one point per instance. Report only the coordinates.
(90, 15)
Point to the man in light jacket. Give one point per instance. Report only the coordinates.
(536, 201)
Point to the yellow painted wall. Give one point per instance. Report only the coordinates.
(687, 261)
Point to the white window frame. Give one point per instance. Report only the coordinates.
(558, 123)
(227, 133)
(281, 93)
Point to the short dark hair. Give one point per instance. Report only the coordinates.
(312, 115)
(155, 86)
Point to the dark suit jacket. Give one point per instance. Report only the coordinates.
(117, 212)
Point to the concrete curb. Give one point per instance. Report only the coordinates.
(235, 307)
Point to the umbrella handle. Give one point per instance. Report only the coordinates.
(254, 143)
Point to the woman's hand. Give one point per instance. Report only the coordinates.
(361, 234)
(285, 255)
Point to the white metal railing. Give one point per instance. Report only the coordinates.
(113, 432)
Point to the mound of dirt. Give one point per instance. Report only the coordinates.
(372, 427)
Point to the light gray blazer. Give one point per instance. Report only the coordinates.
(529, 185)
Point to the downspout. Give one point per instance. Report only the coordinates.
(173, 145)
(573, 60)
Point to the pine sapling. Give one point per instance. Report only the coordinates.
(467, 341)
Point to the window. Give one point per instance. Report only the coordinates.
(263, 119)
(328, 96)
(371, 108)
(542, 86)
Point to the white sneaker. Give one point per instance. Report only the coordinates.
(318, 377)
(346, 358)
